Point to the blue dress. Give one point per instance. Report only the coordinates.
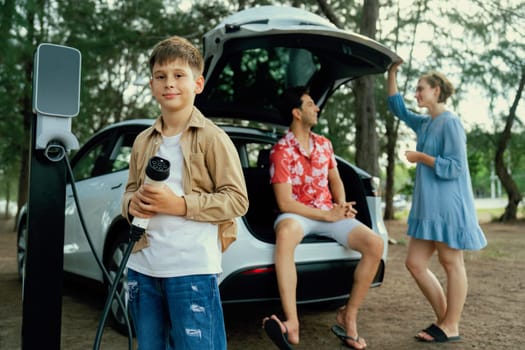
(442, 204)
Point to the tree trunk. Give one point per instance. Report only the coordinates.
(367, 149)
(505, 177)
(392, 133)
(7, 198)
(27, 108)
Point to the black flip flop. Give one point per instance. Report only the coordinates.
(280, 339)
(340, 333)
(437, 334)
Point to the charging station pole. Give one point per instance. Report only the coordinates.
(42, 303)
(56, 98)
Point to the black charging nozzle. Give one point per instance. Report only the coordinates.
(157, 171)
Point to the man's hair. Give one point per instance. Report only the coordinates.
(174, 48)
(290, 99)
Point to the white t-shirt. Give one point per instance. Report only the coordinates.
(178, 246)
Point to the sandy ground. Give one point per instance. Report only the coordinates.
(493, 317)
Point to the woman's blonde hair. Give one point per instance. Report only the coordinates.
(434, 79)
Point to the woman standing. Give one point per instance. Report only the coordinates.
(443, 217)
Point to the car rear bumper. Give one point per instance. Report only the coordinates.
(316, 281)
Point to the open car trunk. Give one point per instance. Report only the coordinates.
(252, 56)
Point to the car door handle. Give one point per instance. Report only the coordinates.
(116, 186)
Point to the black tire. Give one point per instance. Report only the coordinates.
(112, 263)
(21, 249)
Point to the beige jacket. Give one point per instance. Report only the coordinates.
(213, 181)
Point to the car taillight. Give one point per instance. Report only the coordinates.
(259, 270)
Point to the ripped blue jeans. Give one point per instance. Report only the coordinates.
(176, 313)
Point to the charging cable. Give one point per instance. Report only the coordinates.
(111, 295)
(157, 171)
(56, 152)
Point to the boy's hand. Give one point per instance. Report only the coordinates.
(160, 199)
(137, 207)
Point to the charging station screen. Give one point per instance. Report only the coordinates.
(57, 80)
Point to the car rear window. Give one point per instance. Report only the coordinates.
(254, 78)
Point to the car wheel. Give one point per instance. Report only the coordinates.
(112, 263)
(21, 251)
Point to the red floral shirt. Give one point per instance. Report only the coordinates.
(308, 175)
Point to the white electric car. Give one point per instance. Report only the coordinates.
(250, 58)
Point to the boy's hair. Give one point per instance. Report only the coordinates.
(175, 48)
(290, 99)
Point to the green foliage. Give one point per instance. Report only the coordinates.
(481, 161)
(481, 148)
(481, 47)
(407, 188)
(114, 38)
(337, 122)
(12, 92)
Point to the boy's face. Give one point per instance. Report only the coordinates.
(174, 85)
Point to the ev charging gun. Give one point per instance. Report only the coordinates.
(157, 171)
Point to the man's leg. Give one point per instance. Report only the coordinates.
(370, 245)
(289, 234)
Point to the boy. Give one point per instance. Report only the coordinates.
(172, 275)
